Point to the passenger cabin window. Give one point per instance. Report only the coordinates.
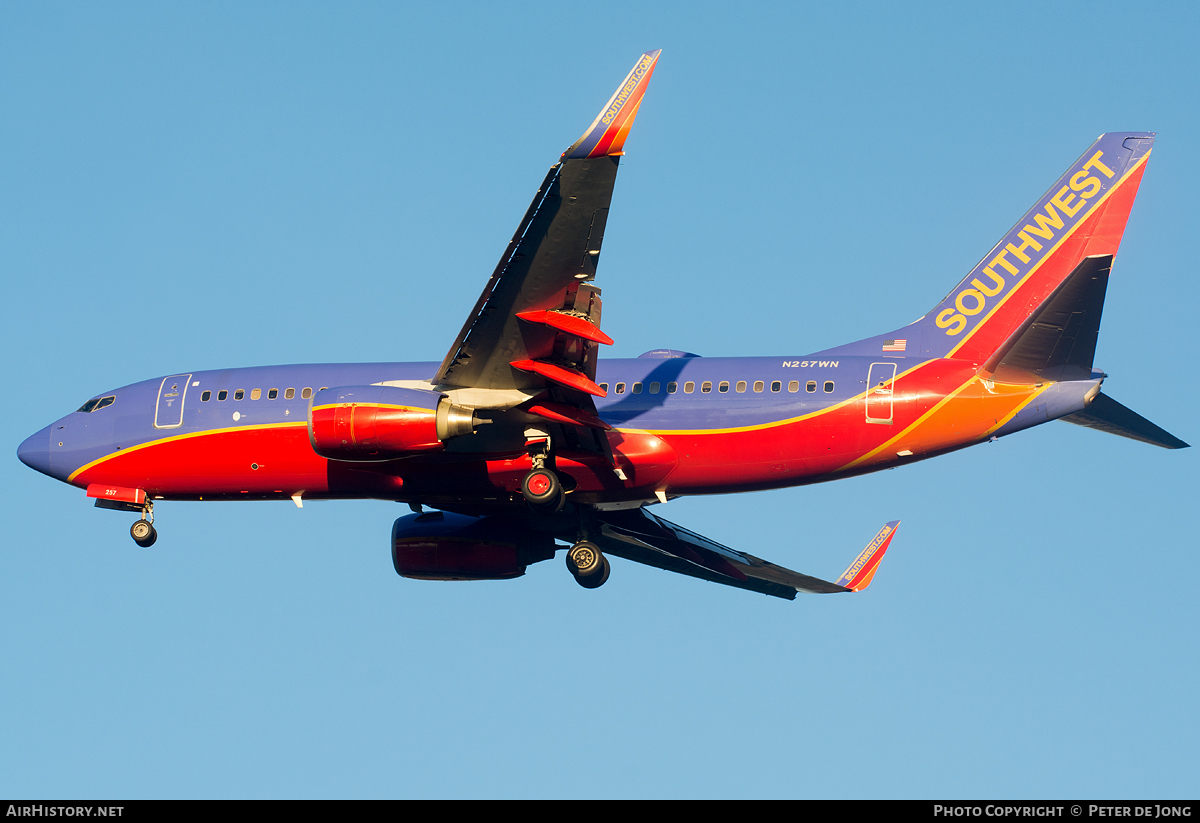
(759, 385)
(289, 394)
(706, 387)
(205, 397)
(222, 394)
(689, 387)
(620, 388)
(239, 394)
(776, 386)
(272, 394)
(828, 386)
(306, 393)
(723, 387)
(637, 388)
(255, 394)
(740, 387)
(810, 386)
(672, 388)
(605, 387)
(794, 386)
(654, 387)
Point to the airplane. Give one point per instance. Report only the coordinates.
(523, 437)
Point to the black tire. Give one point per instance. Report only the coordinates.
(596, 580)
(143, 533)
(584, 559)
(543, 490)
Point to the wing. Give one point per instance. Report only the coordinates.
(643, 537)
(537, 323)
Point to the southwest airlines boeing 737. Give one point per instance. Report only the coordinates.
(523, 436)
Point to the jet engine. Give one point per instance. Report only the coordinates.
(371, 423)
(446, 546)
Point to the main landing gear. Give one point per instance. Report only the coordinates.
(143, 531)
(541, 487)
(587, 564)
(543, 491)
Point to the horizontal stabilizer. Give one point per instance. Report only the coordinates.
(1058, 341)
(1108, 415)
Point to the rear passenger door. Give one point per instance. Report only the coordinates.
(880, 387)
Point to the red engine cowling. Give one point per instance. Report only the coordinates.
(446, 546)
(382, 422)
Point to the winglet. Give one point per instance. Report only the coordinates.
(606, 135)
(858, 576)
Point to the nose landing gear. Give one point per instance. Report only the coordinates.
(588, 565)
(143, 531)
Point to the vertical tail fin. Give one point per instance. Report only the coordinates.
(1082, 215)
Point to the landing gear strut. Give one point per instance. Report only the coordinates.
(143, 531)
(588, 565)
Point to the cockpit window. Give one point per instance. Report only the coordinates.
(97, 403)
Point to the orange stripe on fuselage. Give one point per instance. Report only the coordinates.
(967, 415)
(939, 406)
(821, 445)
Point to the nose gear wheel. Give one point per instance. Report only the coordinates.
(143, 533)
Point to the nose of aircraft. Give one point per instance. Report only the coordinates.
(35, 451)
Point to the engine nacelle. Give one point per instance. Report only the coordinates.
(383, 422)
(446, 546)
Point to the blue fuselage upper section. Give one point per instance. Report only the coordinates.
(646, 393)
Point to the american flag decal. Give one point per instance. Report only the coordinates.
(894, 345)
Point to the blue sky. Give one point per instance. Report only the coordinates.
(216, 185)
